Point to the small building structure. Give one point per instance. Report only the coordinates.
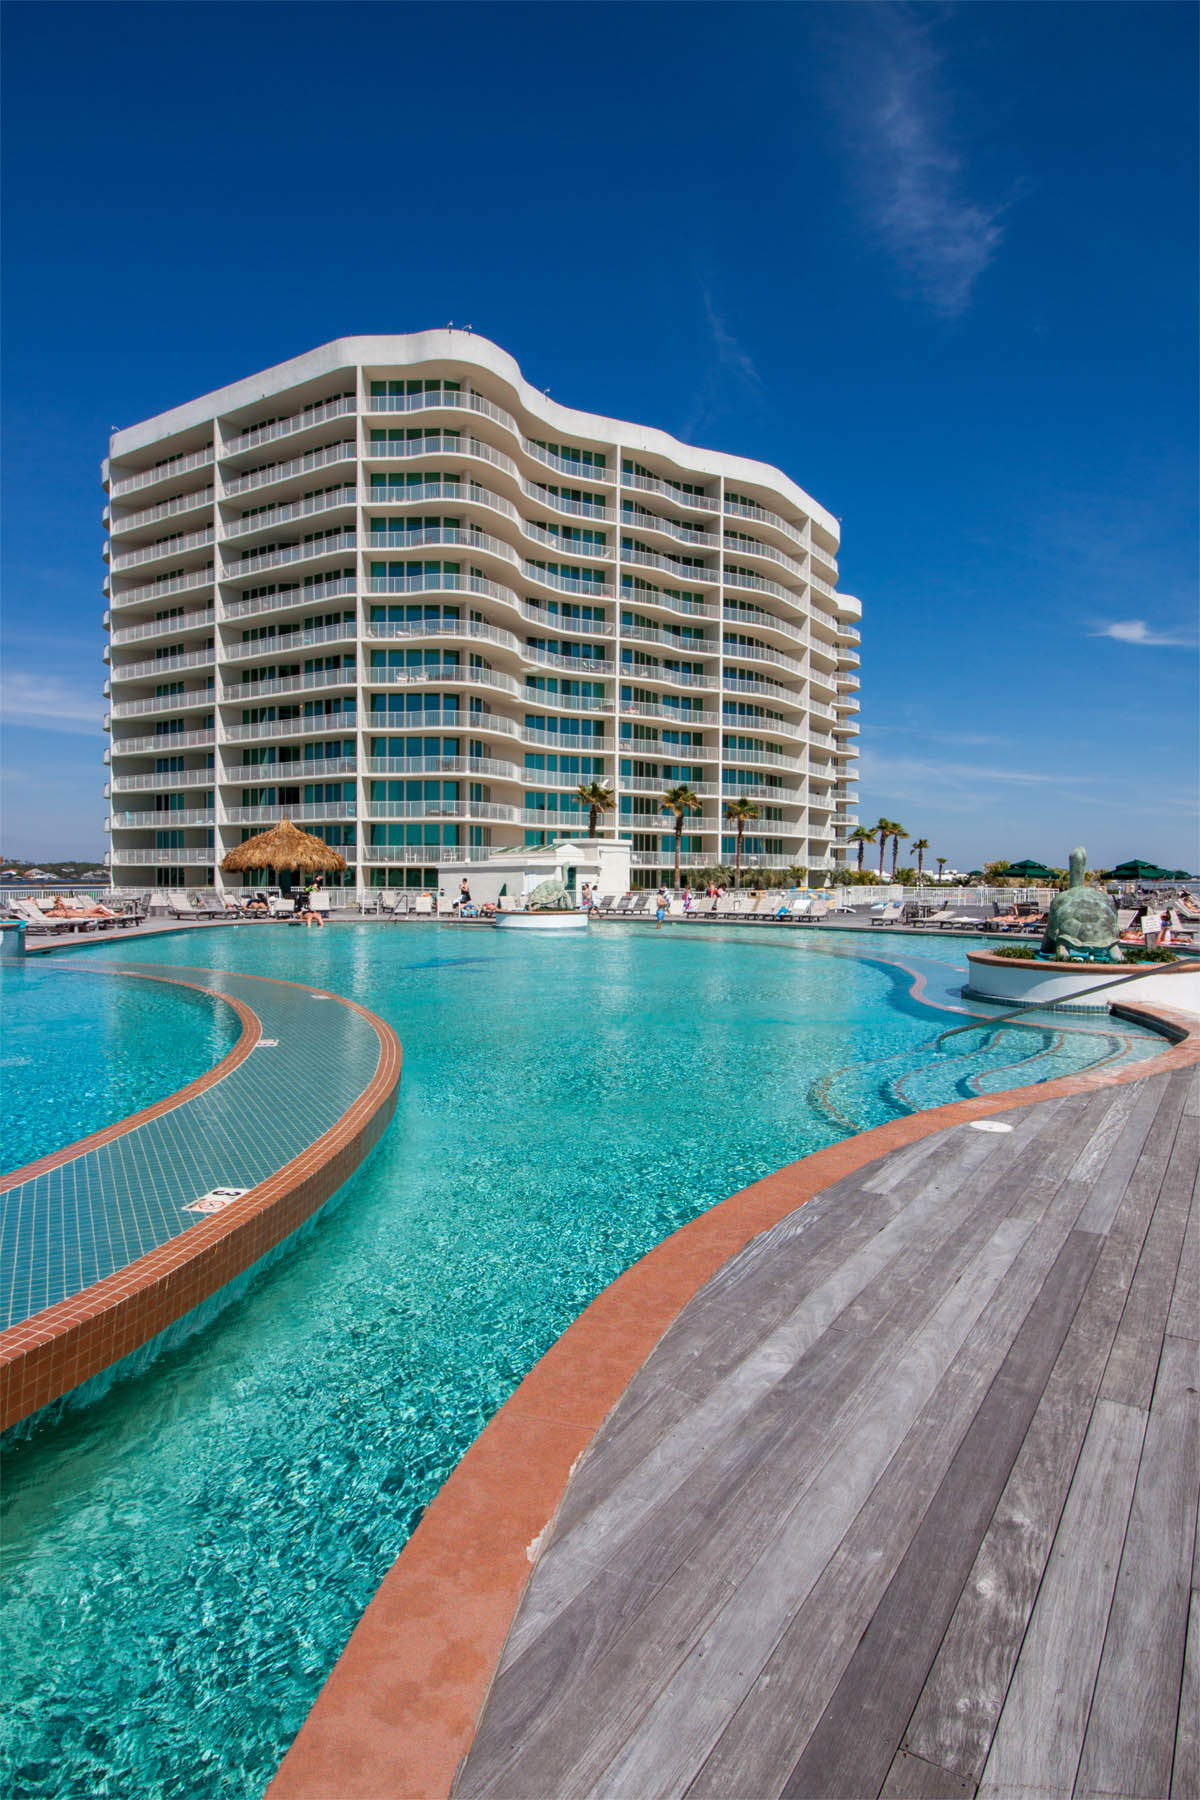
(508, 877)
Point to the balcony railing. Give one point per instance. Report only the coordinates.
(752, 547)
(297, 812)
(308, 725)
(167, 471)
(305, 682)
(167, 509)
(669, 565)
(163, 859)
(164, 703)
(444, 765)
(738, 510)
(292, 596)
(428, 855)
(165, 779)
(156, 667)
(149, 821)
(182, 623)
(159, 590)
(633, 672)
(335, 544)
(774, 759)
(446, 809)
(569, 584)
(281, 641)
(404, 449)
(162, 743)
(176, 546)
(647, 484)
(650, 709)
(287, 773)
(345, 451)
(580, 509)
(301, 509)
(637, 519)
(648, 634)
(764, 654)
(648, 784)
(282, 428)
(402, 543)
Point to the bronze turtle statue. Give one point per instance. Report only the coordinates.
(1083, 918)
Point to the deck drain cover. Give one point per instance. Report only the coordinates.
(216, 1200)
(267, 1044)
(989, 1125)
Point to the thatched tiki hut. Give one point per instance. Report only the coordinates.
(285, 849)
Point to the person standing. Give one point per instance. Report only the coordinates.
(661, 904)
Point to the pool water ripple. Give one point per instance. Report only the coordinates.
(185, 1561)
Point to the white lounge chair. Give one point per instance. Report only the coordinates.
(892, 913)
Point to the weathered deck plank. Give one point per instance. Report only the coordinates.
(904, 1504)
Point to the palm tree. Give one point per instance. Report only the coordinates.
(862, 836)
(897, 833)
(941, 863)
(920, 845)
(883, 830)
(681, 801)
(597, 798)
(740, 811)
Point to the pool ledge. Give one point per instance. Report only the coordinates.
(66, 1344)
(399, 1711)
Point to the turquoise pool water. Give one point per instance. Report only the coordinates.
(185, 1560)
(81, 1050)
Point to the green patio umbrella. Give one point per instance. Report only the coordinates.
(1137, 870)
(1028, 870)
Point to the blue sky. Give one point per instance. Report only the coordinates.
(936, 262)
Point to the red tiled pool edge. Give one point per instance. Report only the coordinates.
(398, 1712)
(56, 1350)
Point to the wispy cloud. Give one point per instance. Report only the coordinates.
(1136, 631)
(911, 177)
(729, 371)
(50, 704)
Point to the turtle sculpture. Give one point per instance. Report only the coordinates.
(549, 896)
(1083, 918)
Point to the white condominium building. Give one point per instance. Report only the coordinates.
(393, 592)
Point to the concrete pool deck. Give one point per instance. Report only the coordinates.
(102, 1242)
(880, 1477)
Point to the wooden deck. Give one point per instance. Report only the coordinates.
(905, 1501)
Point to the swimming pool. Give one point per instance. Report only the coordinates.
(185, 1561)
(82, 1050)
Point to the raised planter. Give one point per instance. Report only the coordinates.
(1015, 981)
(541, 921)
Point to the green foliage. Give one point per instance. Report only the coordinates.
(859, 878)
(1016, 952)
(1138, 953)
(993, 872)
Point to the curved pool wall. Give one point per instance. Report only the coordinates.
(82, 1050)
(186, 1561)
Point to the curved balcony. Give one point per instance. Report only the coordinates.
(762, 653)
(125, 784)
(680, 646)
(164, 551)
(181, 504)
(308, 681)
(486, 766)
(760, 584)
(299, 814)
(653, 524)
(181, 624)
(687, 721)
(772, 759)
(561, 503)
(336, 544)
(648, 484)
(752, 618)
(346, 450)
(767, 553)
(307, 420)
(320, 725)
(161, 590)
(164, 703)
(409, 449)
(284, 641)
(166, 743)
(169, 470)
(654, 600)
(488, 810)
(668, 565)
(427, 855)
(771, 796)
(156, 667)
(763, 723)
(299, 595)
(164, 859)
(272, 517)
(287, 773)
(648, 784)
(659, 675)
(155, 820)
(737, 509)
(569, 584)
(405, 543)
(756, 687)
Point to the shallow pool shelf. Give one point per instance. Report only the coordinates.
(116, 1238)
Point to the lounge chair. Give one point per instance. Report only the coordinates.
(641, 903)
(821, 909)
(423, 906)
(604, 903)
(35, 919)
(701, 909)
(892, 913)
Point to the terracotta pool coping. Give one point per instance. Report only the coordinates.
(45, 1356)
(399, 1710)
